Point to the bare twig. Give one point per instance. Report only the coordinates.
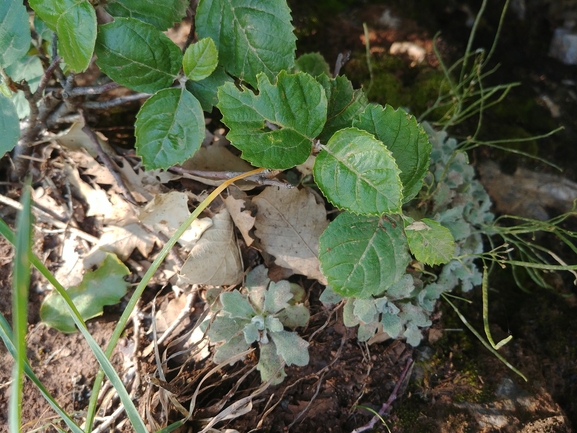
(385, 407)
(191, 33)
(261, 178)
(34, 112)
(184, 313)
(36, 122)
(342, 58)
(54, 45)
(101, 105)
(50, 220)
(108, 163)
(45, 78)
(93, 90)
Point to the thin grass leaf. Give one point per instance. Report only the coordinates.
(106, 366)
(6, 336)
(487, 345)
(485, 288)
(20, 286)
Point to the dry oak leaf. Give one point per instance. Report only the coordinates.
(121, 241)
(236, 204)
(215, 259)
(166, 213)
(289, 223)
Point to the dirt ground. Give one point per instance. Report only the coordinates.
(454, 384)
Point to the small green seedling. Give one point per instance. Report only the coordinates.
(259, 313)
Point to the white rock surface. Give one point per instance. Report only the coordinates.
(564, 46)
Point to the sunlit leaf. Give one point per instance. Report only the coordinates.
(274, 128)
(104, 286)
(200, 59)
(137, 55)
(251, 37)
(406, 139)
(169, 128)
(358, 173)
(363, 256)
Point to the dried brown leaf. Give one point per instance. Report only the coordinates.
(236, 203)
(121, 241)
(167, 212)
(215, 259)
(289, 223)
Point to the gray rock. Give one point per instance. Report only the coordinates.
(564, 46)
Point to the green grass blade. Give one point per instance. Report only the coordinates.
(480, 338)
(171, 427)
(20, 286)
(6, 336)
(105, 365)
(485, 287)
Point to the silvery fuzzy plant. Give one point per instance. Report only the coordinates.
(259, 313)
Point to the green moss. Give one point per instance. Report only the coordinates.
(426, 89)
(397, 84)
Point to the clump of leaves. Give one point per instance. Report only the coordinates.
(259, 313)
(448, 232)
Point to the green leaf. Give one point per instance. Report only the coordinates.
(313, 64)
(275, 128)
(206, 90)
(349, 318)
(20, 290)
(294, 316)
(76, 48)
(270, 365)
(104, 286)
(223, 328)
(14, 32)
(66, 17)
(27, 68)
(137, 55)
(292, 348)
(200, 59)
(405, 138)
(233, 347)
(362, 256)
(251, 37)
(277, 296)
(169, 128)
(357, 172)
(392, 324)
(236, 305)
(344, 104)
(9, 125)
(430, 242)
(162, 16)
